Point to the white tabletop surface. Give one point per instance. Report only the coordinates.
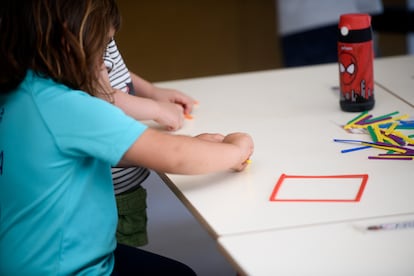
(293, 116)
(339, 249)
(397, 75)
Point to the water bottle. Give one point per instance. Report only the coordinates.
(355, 58)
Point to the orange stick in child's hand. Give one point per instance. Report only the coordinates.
(188, 116)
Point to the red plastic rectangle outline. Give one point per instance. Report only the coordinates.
(364, 179)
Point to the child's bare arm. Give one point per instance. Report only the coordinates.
(167, 114)
(161, 94)
(180, 154)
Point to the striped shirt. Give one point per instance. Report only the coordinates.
(124, 179)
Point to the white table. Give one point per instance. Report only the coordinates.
(293, 116)
(396, 74)
(339, 249)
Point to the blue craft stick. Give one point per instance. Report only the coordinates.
(355, 149)
(350, 141)
(402, 125)
(408, 150)
(386, 125)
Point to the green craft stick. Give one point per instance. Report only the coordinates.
(384, 116)
(404, 127)
(372, 133)
(357, 117)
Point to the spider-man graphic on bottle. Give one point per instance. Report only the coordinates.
(355, 58)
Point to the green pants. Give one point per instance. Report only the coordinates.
(132, 218)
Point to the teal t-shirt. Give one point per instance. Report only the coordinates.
(57, 207)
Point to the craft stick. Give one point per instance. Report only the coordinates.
(399, 140)
(376, 120)
(404, 137)
(356, 126)
(388, 139)
(390, 158)
(400, 125)
(377, 145)
(396, 154)
(356, 119)
(410, 122)
(408, 126)
(361, 120)
(377, 133)
(390, 120)
(188, 116)
(372, 133)
(399, 118)
(349, 141)
(355, 149)
(384, 120)
(391, 128)
(393, 148)
(385, 116)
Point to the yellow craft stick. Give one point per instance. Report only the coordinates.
(392, 120)
(399, 118)
(391, 128)
(402, 117)
(355, 126)
(404, 137)
(358, 118)
(389, 140)
(385, 147)
(377, 133)
(382, 122)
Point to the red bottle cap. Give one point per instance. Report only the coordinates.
(353, 21)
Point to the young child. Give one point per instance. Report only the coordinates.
(165, 106)
(57, 207)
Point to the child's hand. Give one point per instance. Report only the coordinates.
(245, 144)
(170, 115)
(174, 96)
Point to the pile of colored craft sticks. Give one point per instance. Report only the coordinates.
(386, 133)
